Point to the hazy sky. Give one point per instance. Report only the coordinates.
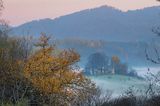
(21, 11)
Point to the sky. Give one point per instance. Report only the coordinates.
(17, 12)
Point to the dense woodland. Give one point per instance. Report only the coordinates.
(41, 77)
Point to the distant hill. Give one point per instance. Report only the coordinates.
(105, 23)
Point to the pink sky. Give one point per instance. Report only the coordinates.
(20, 11)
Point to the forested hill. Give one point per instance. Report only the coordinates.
(105, 23)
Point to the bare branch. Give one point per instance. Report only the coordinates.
(152, 60)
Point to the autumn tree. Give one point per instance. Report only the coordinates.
(13, 53)
(115, 59)
(55, 76)
(118, 66)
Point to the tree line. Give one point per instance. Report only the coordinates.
(101, 64)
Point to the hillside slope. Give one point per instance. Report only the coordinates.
(105, 23)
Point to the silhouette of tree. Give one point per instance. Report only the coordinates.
(97, 63)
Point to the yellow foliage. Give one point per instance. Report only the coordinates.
(54, 74)
(116, 59)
